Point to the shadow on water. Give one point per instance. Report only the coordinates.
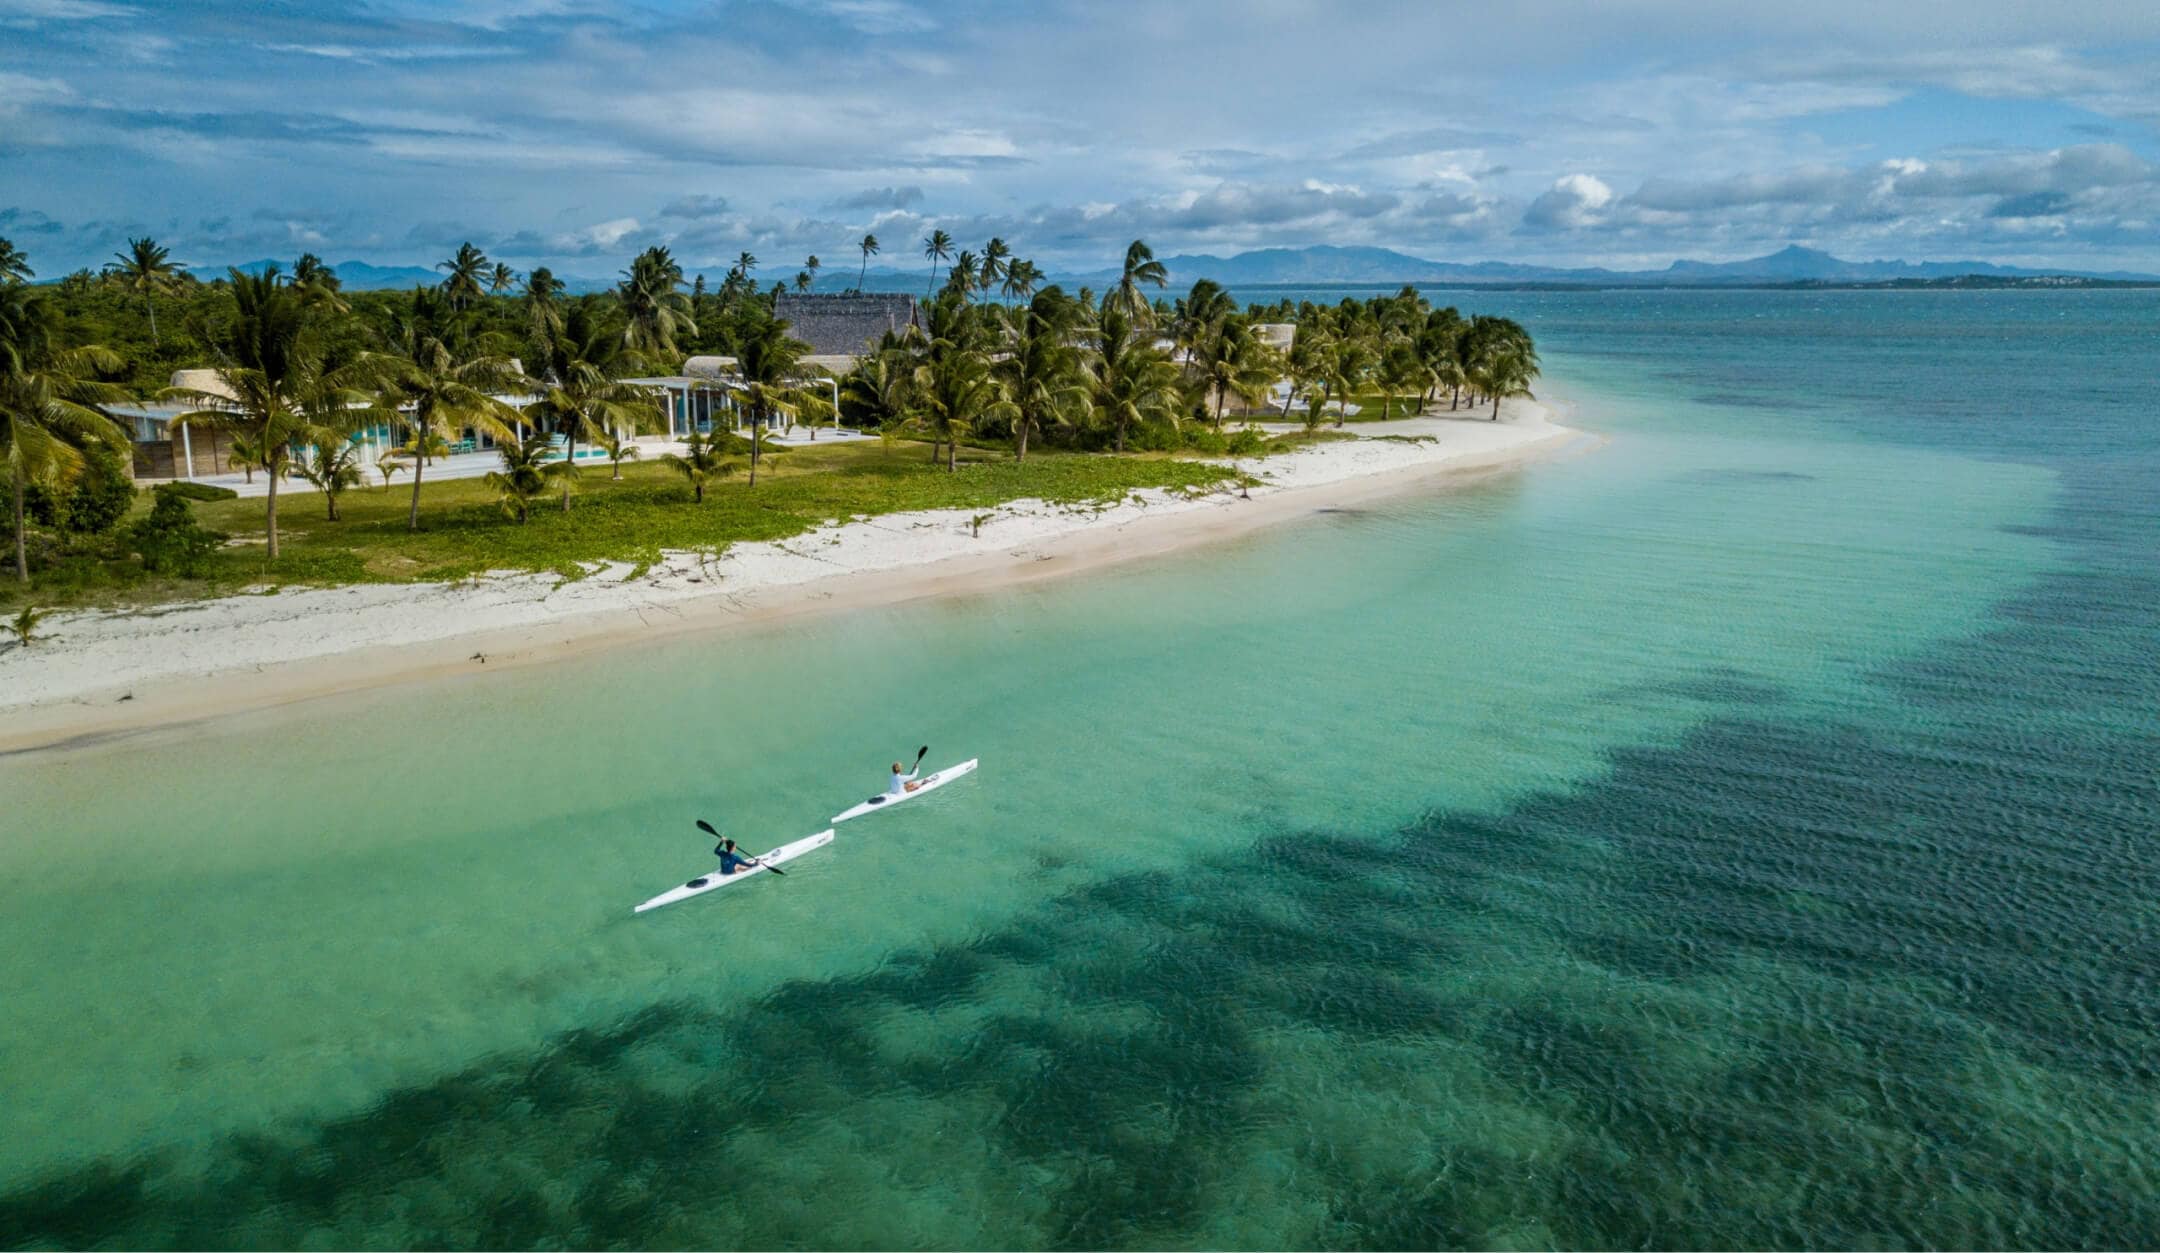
(1802, 984)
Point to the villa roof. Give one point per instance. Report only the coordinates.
(207, 381)
(844, 324)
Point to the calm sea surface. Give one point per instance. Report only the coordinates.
(1745, 834)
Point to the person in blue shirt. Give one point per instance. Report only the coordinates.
(730, 860)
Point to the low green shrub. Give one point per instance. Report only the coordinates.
(199, 491)
(169, 540)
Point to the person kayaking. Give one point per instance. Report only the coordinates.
(730, 860)
(903, 781)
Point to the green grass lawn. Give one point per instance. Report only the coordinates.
(463, 533)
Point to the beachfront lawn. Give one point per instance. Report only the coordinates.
(464, 533)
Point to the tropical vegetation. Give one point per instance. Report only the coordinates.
(307, 382)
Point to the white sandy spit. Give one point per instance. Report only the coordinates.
(112, 670)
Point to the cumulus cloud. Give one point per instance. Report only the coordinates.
(1573, 201)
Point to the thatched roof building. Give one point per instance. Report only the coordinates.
(844, 324)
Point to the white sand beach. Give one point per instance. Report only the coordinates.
(97, 673)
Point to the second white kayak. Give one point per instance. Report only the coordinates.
(886, 800)
(706, 883)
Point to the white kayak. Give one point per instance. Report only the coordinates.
(706, 883)
(929, 783)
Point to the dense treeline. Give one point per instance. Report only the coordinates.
(299, 366)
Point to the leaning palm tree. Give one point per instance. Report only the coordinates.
(270, 380)
(501, 279)
(965, 276)
(524, 476)
(15, 267)
(869, 246)
(1141, 269)
(1021, 279)
(1234, 362)
(937, 246)
(657, 310)
(464, 276)
(436, 389)
(1133, 381)
(145, 270)
(49, 398)
(699, 462)
(581, 397)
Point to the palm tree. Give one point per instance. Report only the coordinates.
(965, 276)
(1041, 370)
(435, 389)
(1234, 362)
(995, 258)
(874, 395)
(1133, 381)
(1141, 269)
(543, 303)
(270, 379)
(1021, 278)
(464, 276)
(869, 246)
(1439, 344)
(319, 283)
(1502, 359)
(937, 246)
(15, 267)
(581, 396)
(524, 476)
(700, 461)
(49, 401)
(656, 309)
(619, 448)
(768, 359)
(811, 267)
(501, 279)
(1402, 373)
(802, 281)
(145, 270)
(332, 464)
(954, 392)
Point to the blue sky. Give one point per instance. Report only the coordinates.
(573, 133)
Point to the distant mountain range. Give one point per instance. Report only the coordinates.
(1327, 265)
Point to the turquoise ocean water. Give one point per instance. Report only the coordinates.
(1743, 834)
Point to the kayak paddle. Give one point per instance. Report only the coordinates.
(921, 753)
(707, 828)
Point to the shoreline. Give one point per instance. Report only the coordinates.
(101, 675)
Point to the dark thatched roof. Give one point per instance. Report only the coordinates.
(847, 323)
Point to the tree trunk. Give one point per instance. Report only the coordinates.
(412, 519)
(22, 548)
(1021, 453)
(270, 508)
(1220, 397)
(569, 464)
(952, 454)
(1496, 407)
(331, 496)
(753, 453)
(151, 305)
(1121, 437)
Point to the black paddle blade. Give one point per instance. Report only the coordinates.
(706, 827)
(921, 753)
